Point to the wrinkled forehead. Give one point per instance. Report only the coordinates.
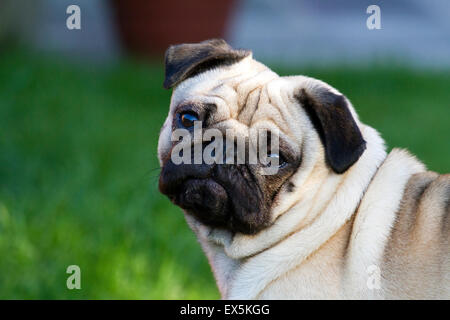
(246, 96)
(227, 87)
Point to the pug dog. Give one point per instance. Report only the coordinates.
(340, 219)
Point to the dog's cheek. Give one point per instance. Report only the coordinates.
(246, 199)
(250, 214)
(272, 185)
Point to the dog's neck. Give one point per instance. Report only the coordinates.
(242, 264)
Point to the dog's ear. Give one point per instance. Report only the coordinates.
(329, 112)
(189, 59)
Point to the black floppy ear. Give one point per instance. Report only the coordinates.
(338, 131)
(189, 59)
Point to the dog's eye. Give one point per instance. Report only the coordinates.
(281, 161)
(187, 119)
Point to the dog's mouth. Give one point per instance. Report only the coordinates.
(222, 196)
(204, 198)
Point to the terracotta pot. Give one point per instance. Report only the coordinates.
(149, 26)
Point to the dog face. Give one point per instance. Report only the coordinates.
(228, 91)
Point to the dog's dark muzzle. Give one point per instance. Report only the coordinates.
(193, 188)
(219, 195)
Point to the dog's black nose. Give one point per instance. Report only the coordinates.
(173, 176)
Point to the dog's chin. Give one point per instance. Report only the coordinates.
(206, 200)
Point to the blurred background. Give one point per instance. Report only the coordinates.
(81, 109)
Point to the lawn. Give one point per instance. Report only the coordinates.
(78, 172)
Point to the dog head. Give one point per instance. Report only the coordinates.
(216, 87)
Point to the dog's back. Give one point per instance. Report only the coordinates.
(417, 254)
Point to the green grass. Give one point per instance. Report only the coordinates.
(78, 173)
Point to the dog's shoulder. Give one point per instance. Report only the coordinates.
(425, 207)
